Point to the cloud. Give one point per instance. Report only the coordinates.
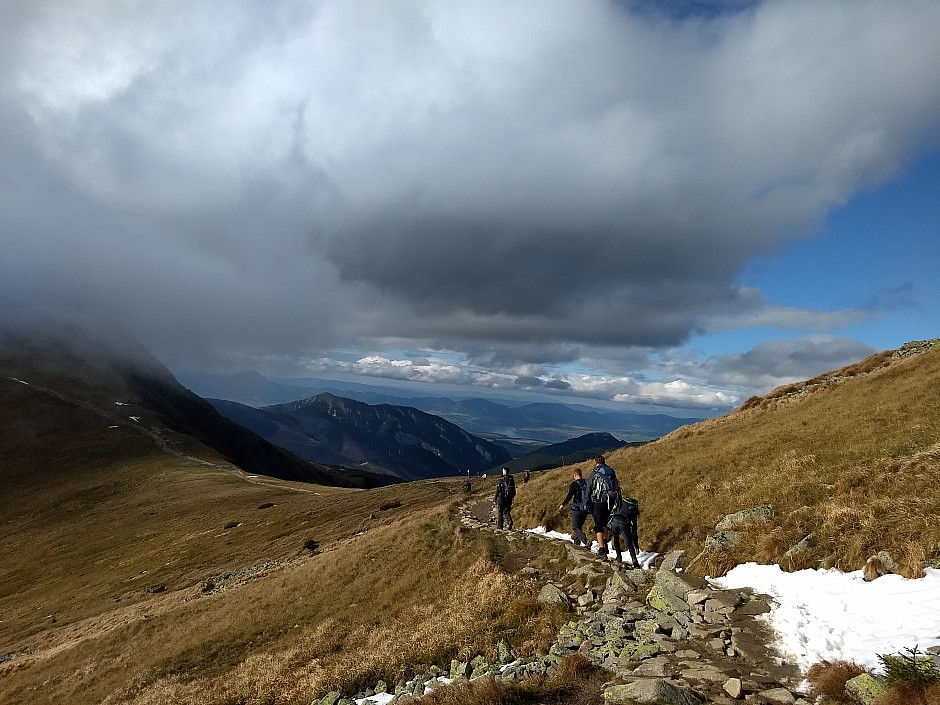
(770, 365)
(521, 181)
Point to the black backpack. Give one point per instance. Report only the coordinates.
(580, 503)
(628, 507)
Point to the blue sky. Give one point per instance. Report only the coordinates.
(649, 205)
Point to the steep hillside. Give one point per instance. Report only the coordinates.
(397, 440)
(848, 461)
(126, 386)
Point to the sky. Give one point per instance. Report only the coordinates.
(662, 206)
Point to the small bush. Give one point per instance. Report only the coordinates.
(312, 545)
(914, 667)
(827, 681)
(389, 505)
(266, 505)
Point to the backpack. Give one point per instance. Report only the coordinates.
(510, 488)
(605, 488)
(580, 504)
(506, 489)
(628, 507)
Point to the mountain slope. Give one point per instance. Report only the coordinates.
(123, 383)
(848, 461)
(401, 441)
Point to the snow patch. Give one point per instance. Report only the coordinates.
(646, 558)
(135, 419)
(828, 614)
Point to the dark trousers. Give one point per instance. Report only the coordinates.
(578, 517)
(503, 510)
(625, 531)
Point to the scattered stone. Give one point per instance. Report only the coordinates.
(553, 595)
(734, 687)
(776, 696)
(761, 513)
(805, 545)
(673, 560)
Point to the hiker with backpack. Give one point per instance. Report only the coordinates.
(505, 493)
(578, 494)
(602, 498)
(623, 528)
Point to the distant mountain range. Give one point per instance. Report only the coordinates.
(520, 428)
(401, 441)
(571, 451)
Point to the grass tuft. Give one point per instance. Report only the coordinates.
(827, 681)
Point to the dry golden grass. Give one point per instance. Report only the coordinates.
(906, 694)
(856, 462)
(827, 681)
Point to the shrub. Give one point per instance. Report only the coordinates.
(914, 668)
(312, 545)
(827, 681)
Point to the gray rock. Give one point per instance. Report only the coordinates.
(553, 595)
(734, 687)
(331, 698)
(761, 513)
(776, 696)
(805, 545)
(673, 560)
(586, 599)
(722, 541)
(650, 692)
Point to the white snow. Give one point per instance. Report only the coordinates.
(646, 558)
(20, 381)
(120, 403)
(135, 419)
(827, 614)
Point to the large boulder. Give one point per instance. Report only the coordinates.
(650, 691)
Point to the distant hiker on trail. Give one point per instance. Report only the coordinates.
(602, 498)
(467, 487)
(525, 477)
(578, 494)
(505, 493)
(623, 527)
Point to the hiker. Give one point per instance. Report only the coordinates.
(623, 527)
(505, 493)
(467, 487)
(525, 477)
(577, 493)
(602, 497)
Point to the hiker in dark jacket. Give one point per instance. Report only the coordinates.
(577, 493)
(505, 493)
(602, 496)
(623, 527)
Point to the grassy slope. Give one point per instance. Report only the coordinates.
(87, 509)
(861, 452)
(93, 516)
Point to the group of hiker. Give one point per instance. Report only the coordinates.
(615, 515)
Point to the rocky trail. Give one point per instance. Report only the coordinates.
(667, 638)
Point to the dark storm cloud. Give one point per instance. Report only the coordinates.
(516, 180)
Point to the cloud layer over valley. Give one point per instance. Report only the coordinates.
(520, 185)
